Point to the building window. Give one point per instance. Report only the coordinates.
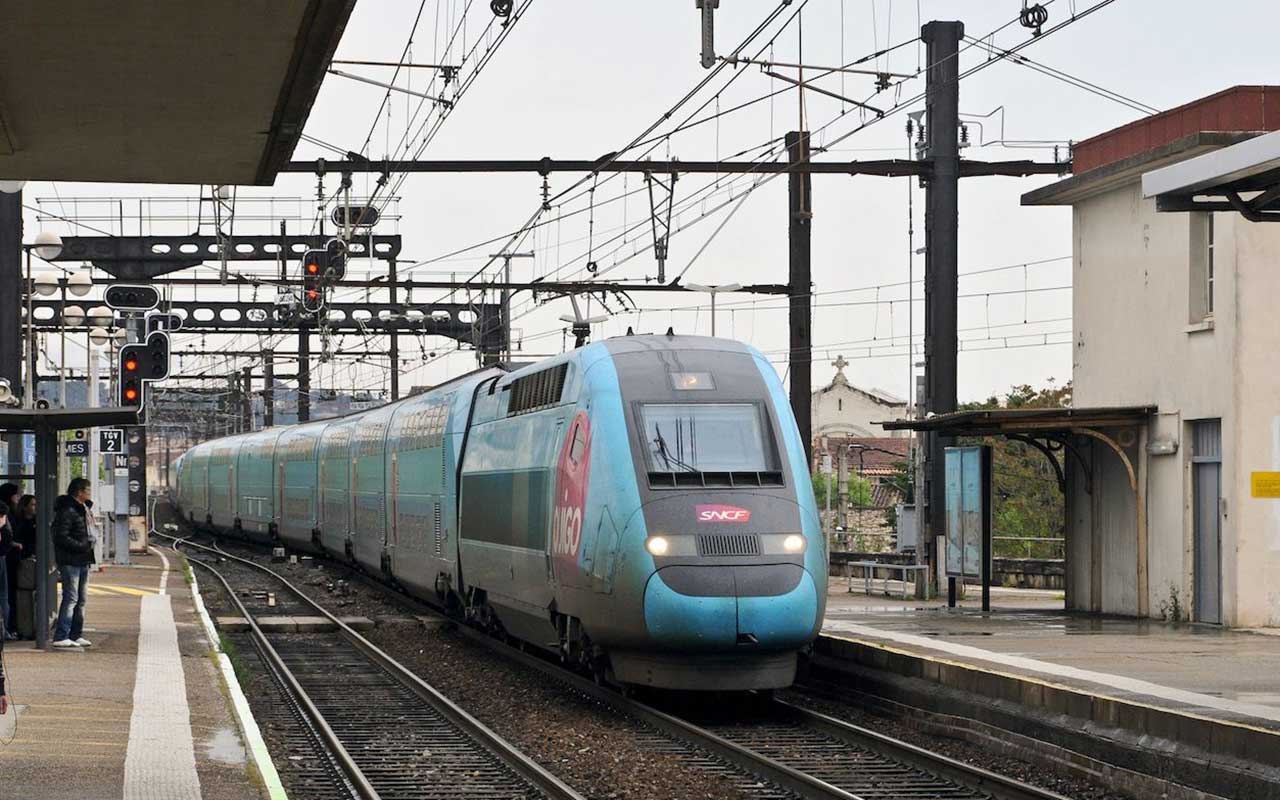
(1202, 268)
(839, 404)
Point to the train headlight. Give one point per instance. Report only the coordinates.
(657, 545)
(793, 543)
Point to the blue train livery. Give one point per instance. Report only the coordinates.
(640, 506)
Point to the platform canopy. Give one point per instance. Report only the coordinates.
(1004, 421)
(63, 419)
(1244, 177)
(160, 92)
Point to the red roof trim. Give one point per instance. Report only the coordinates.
(1238, 109)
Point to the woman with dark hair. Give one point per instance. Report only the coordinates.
(23, 522)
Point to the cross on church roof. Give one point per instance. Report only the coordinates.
(840, 364)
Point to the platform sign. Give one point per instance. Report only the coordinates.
(968, 512)
(77, 443)
(110, 440)
(1265, 484)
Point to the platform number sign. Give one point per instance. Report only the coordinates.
(110, 440)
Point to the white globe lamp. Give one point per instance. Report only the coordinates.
(48, 245)
(45, 283)
(101, 317)
(80, 283)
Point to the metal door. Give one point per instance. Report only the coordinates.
(1206, 467)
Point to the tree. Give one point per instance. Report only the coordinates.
(1027, 502)
(858, 490)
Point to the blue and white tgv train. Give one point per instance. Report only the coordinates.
(641, 505)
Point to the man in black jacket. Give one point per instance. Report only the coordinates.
(73, 550)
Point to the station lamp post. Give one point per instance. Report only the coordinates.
(78, 284)
(713, 291)
(47, 246)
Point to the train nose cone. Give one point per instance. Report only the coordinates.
(770, 606)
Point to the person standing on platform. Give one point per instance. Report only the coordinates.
(73, 550)
(6, 544)
(23, 522)
(4, 698)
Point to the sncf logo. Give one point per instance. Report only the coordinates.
(723, 514)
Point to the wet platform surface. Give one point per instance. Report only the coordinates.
(139, 715)
(1197, 669)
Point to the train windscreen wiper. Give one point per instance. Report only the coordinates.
(666, 453)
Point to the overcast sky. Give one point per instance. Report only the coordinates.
(577, 80)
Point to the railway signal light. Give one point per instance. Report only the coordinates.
(314, 264)
(336, 260)
(140, 363)
(131, 297)
(131, 385)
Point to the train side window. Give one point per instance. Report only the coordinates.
(579, 444)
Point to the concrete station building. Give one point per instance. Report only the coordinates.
(1172, 503)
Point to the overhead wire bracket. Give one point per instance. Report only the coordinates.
(660, 218)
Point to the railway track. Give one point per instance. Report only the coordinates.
(794, 751)
(803, 752)
(371, 729)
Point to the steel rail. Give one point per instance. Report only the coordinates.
(507, 753)
(998, 787)
(348, 765)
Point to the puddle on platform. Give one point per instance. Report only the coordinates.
(1260, 698)
(957, 633)
(225, 748)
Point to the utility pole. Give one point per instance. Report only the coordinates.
(799, 233)
(842, 490)
(268, 389)
(235, 420)
(246, 399)
(941, 281)
(304, 371)
(11, 294)
(394, 352)
(506, 298)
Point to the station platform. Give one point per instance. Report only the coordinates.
(141, 714)
(1161, 692)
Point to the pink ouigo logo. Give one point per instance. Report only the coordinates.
(717, 513)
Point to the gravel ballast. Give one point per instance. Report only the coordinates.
(593, 747)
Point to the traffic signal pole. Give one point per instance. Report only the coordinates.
(304, 371)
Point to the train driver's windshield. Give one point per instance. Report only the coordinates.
(705, 437)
